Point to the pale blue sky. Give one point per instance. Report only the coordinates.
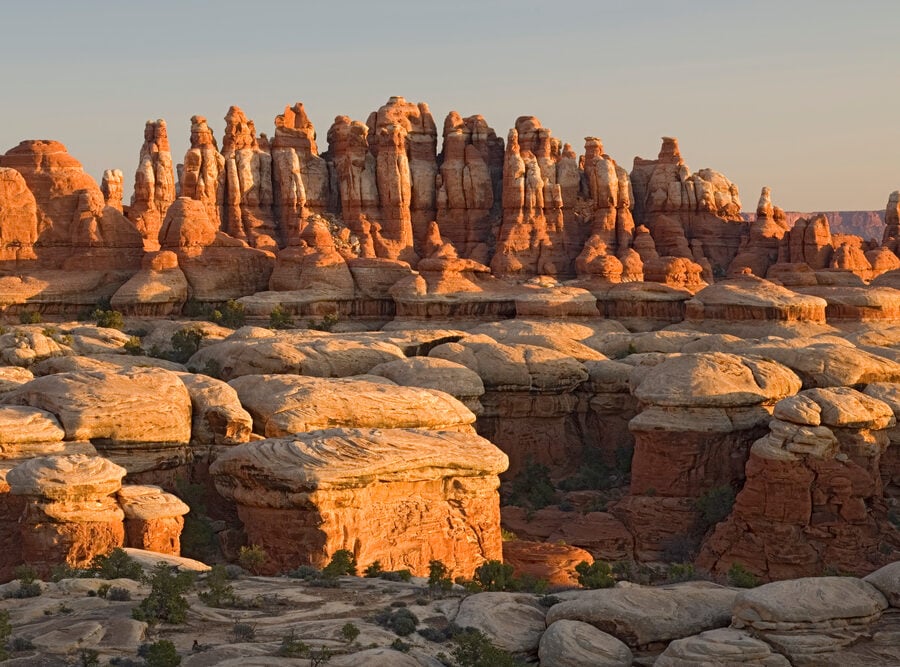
(800, 95)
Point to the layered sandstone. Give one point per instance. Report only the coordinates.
(391, 485)
(154, 183)
(153, 518)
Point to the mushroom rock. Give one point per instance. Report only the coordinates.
(202, 175)
(813, 499)
(678, 207)
(469, 183)
(314, 265)
(882, 260)
(159, 289)
(19, 213)
(70, 513)
(403, 138)
(701, 412)
(153, 518)
(154, 183)
(532, 238)
(374, 492)
(249, 199)
(139, 418)
(355, 172)
(529, 400)
(217, 266)
(302, 184)
(847, 303)
(112, 186)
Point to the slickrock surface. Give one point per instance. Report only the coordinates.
(392, 486)
(578, 644)
(286, 404)
(725, 646)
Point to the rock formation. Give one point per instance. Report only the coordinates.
(153, 518)
(154, 183)
(391, 485)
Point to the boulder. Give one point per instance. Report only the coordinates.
(576, 644)
(724, 646)
(514, 622)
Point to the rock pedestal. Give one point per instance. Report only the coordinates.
(70, 513)
(374, 492)
(153, 518)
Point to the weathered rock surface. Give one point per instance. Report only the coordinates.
(577, 644)
(551, 562)
(392, 486)
(153, 518)
(513, 621)
(725, 646)
(433, 373)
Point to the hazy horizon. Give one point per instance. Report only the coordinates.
(801, 98)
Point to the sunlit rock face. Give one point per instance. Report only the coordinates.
(374, 492)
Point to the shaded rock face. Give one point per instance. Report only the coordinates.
(374, 492)
(813, 499)
(700, 414)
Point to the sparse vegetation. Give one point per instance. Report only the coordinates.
(166, 601)
(343, 562)
(29, 587)
(230, 315)
(740, 577)
(374, 570)
(160, 653)
(133, 346)
(715, 505)
(185, 343)
(252, 558)
(30, 317)
(5, 632)
(532, 487)
(243, 632)
(495, 576)
(595, 575)
(117, 564)
(439, 581)
(400, 621)
(349, 632)
(108, 319)
(327, 323)
(291, 647)
(677, 572)
(280, 318)
(474, 649)
(219, 593)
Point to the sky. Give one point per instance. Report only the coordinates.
(799, 95)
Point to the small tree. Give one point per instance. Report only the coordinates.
(252, 558)
(349, 632)
(740, 577)
(280, 318)
(342, 562)
(161, 653)
(108, 319)
(474, 649)
(166, 601)
(439, 581)
(219, 592)
(595, 575)
(715, 505)
(117, 564)
(374, 570)
(495, 576)
(230, 315)
(185, 343)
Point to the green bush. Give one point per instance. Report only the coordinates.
(5, 632)
(185, 343)
(166, 601)
(230, 315)
(741, 577)
(439, 581)
(532, 487)
(133, 346)
(374, 570)
(161, 653)
(279, 318)
(327, 323)
(680, 572)
(349, 632)
(495, 576)
(243, 632)
(118, 594)
(396, 575)
(343, 562)
(30, 317)
(474, 649)
(108, 319)
(29, 587)
(400, 621)
(219, 593)
(291, 647)
(88, 657)
(715, 505)
(595, 575)
(117, 564)
(252, 558)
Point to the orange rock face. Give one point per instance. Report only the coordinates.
(154, 182)
(553, 563)
(374, 492)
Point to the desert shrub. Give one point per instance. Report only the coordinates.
(374, 570)
(305, 572)
(593, 475)
(548, 600)
(185, 343)
(21, 644)
(88, 657)
(252, 558)
(349, 632)
(243, 632)
(280, 318)
(291, 647)
(29, 587)
(327, 323)
(66, 571)
(532, 487)
(343, 562)
(230, 315)
(439, 581)
(474, 649)
(715, 505)
(495, 576)
(741, 577)
(400, 621)
(166, 601)
(638, 573)
(118, 594)
(133, 346)
(595, 575)
(680, 572)
(219, 593)
(117, 564)
(396, 575)
(30, 317)
(108, 319)
(678, 549)
(400, 645)
(160, 653)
